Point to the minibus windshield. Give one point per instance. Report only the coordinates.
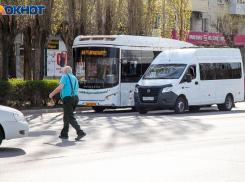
(164, 71)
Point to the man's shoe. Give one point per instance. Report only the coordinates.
(63, 137)
(80, 136)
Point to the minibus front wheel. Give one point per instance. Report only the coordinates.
(142, 110)
(180, 104)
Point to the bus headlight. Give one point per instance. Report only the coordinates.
(19, 117)
(167, 89)
(110, 96)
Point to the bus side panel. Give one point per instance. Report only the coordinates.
(127, 94)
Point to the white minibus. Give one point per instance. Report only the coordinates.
(109, 66)
(187, 79)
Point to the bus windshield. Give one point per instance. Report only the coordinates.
(164, 71)
(97, 67)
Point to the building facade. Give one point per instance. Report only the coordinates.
(206, 12)
(203, 23)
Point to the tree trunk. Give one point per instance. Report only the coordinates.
(131, 17)
(84, 10)
(69, 57)
(12, 61)
(8, 32)
(181, 21)
(41, 28)
(1, 53)
(36, 71)
(27, 53)
(6, 54)
(163, 19)
(99, 18)
(43, 41)
(72, 29)
(108, 22)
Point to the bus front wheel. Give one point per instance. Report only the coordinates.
(98, 109)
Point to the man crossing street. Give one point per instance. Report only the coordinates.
(68, 87)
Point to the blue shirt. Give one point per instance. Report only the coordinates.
(66, 91)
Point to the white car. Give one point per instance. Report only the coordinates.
(12, 124)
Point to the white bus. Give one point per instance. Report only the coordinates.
(108, 67)
(187, 79)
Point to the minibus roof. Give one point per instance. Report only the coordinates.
(183, 55)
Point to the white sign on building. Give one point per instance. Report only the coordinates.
(53, 59)
(54, 51)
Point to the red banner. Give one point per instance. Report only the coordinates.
(210, 38)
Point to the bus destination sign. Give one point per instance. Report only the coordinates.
(94, 53)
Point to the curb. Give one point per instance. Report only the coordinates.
(40, 111)
(78, 109)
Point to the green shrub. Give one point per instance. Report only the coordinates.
(14, 92)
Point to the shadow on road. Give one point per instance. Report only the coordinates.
(6, 152)
(41, 133)
(123, 127)
(161, 125)
(64, 143)
(210, 112)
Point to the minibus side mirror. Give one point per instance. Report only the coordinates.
(188, 78)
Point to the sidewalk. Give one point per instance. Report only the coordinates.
(40, 111)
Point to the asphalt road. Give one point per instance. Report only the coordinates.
(125, 146)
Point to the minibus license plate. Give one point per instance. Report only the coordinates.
(148, 98)
(90, 104)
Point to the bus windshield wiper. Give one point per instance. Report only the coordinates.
(101, 79)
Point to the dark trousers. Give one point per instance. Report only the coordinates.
(69, 105)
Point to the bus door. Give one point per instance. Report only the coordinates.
(133, 66)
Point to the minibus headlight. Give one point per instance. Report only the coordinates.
(167, 89)
(136, 89)
(19, 117)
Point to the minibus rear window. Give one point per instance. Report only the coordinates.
(164, 71)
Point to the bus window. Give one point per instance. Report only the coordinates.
(131, 66)
(135, 63)
(147, 58)
(131, 71)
